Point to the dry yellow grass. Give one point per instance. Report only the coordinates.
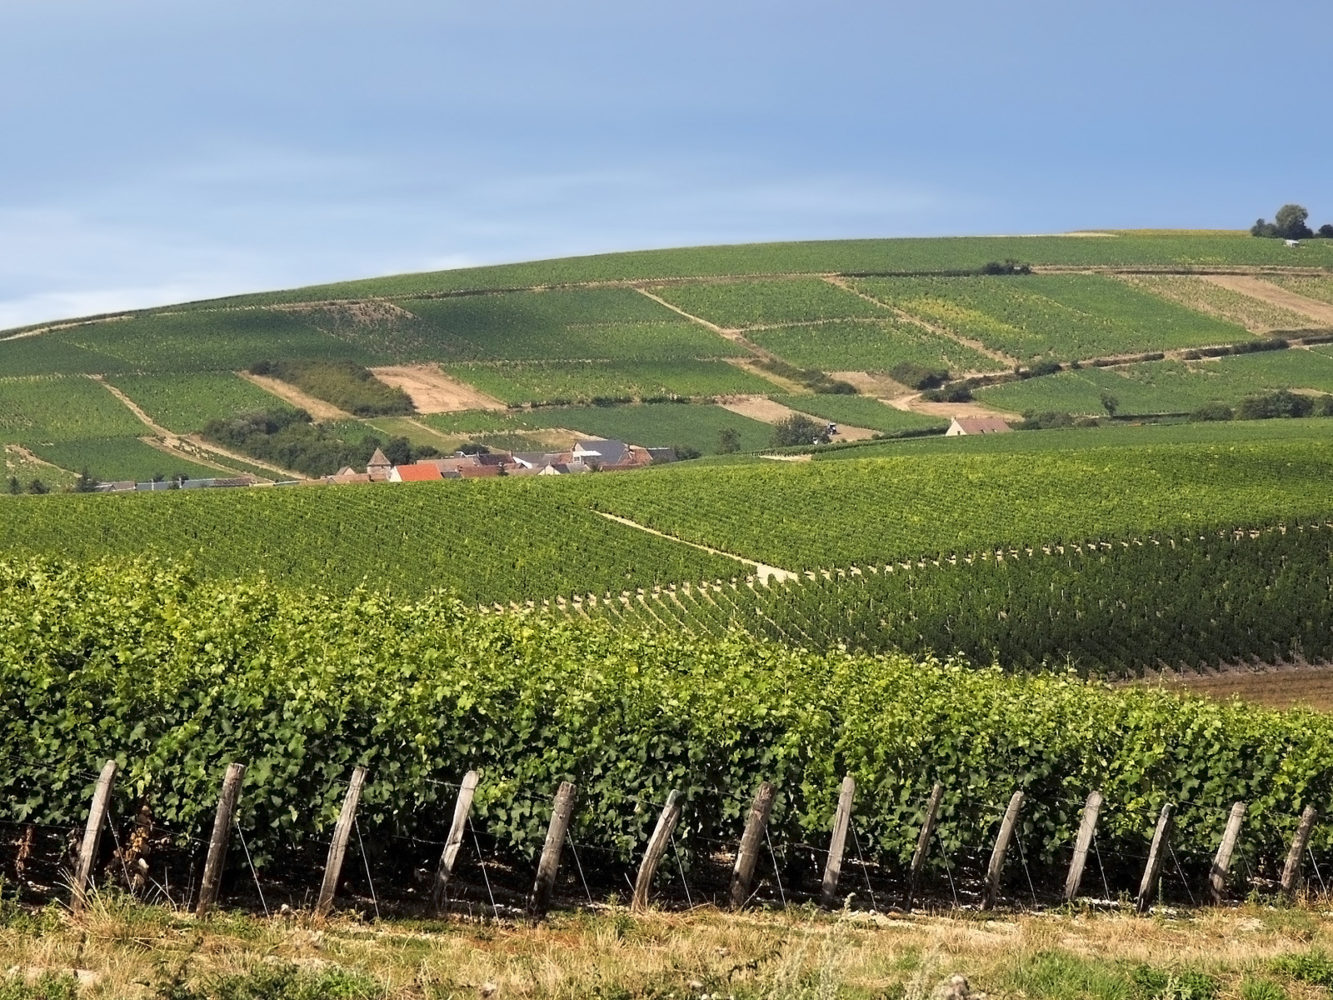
(132, 952)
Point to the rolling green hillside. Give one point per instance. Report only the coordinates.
(579, 346)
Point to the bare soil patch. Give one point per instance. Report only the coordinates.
(871, 384)
(913, 403)
(189, 450)
(1275, 295)
(28, 458)
(432, 391)
(1300, 685)
(317, 408)
(764, 409)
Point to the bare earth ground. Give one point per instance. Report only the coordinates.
(317, 408)
(749, 365)
(432, 391)
(764, 409)
(1274, 295)
(913, 403)
(871, 384)
(1302, 685)
(25, 457)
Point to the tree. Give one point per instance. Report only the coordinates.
(85, 483)
(37, 487)
(1326, 231)
(728, 440)
(799, 429)
(1290, 222)
(15, 487)
(1109, 403)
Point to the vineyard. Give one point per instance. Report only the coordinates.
(1062, 317)
(1108, 609)
(301, 685)
(702, 324)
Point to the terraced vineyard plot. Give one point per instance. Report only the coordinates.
(688, 425)
(126, 458)
(476, 421)
(1115, 609)
(1062, 317)
(822, 514)
(870, 346)
(579, 324)
(37, 410)
(1166, 386)
(518, 383)
(52, 354)
(185, 402)
(860, 411)
(1202, 295)
(213, 341)
(742, 304)
(488, 540)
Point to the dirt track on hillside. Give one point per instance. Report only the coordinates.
(1274, 295)
(317, 408)
(766, 410)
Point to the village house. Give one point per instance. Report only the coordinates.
(977, 425)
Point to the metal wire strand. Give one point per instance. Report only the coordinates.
(777, 875)
(856, 841)
(365, 863)
(681, 865)
(481, 863)
(1023, 858)
(947, 871)
(258, 888)
(573, 850)
(1183, 880)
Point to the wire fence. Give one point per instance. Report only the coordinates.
(396, 872)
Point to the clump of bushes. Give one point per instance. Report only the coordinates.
(918, 376)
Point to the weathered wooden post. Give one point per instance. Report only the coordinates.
(217, 844)
(92, 834)
(657, 845)
(454, 841)
(837, 841)
(1086, 831)
(548, 866)
(748, 855)
(338, 847)
(996, 867)
(1160, 837)
(1291, 871)
(923, 843)
(1217, 878)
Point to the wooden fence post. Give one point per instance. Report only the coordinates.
(1291, 871)
(1148, 887)
(923, 843)
(1217, 878)
(1086, 831)
(562, 811)
(657, 845)
(338, 847)
(217, 844)
(92, 834)
(748, 855)
(454, 841)
(996, 867)
(837, 842)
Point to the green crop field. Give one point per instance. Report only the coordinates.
(1061, 317)
(184, 402)
(601, 323)
(1230, 306)
(1167, 386)
(744, 304)
(870, 346)
(129, 458)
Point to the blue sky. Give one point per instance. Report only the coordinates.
(156, 151)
